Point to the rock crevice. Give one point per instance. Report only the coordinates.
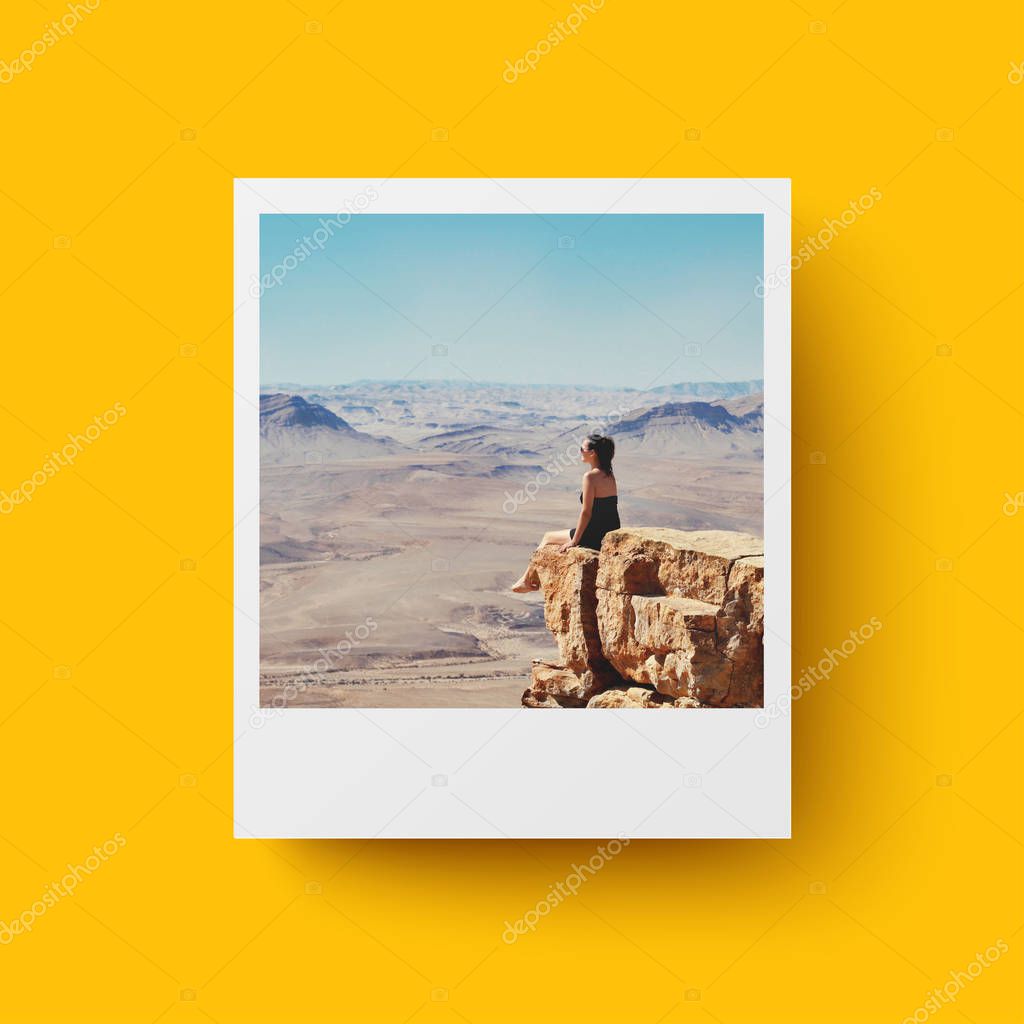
(658, 618)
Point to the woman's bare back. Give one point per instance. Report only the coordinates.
(604, 485)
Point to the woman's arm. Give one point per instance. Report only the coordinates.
(586, 510)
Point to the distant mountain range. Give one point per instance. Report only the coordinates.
(294, 430)
(696, 389)
(292, 411)
(506, 422)
(694, 428)
(710, 389)
(482, 440)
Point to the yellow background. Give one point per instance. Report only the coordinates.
(115, 285)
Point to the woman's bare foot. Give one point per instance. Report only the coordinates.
(522, 587)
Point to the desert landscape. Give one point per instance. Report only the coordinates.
(395, 514)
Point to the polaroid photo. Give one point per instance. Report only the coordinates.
(512, 508)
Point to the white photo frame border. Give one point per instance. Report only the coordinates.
(513, 773)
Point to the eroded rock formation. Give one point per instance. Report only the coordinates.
(569, 584)
(662, 618)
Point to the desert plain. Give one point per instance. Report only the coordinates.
(395, 515)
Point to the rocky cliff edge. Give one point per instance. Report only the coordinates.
(658, 619)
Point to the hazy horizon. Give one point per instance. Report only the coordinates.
(413, 381)
(611, 302)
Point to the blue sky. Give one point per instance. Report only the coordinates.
(615, 307)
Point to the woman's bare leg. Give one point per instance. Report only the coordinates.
(559, 537)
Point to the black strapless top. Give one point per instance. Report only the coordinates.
(604, 516)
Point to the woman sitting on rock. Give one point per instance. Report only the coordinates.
(599, 510)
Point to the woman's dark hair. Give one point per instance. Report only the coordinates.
(604, 448)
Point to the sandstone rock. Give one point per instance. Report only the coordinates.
(655, 561)
(741, 631)
(665, 642)
(630, 624)
(570, 604)
(544, 700)
(630, 697)
(688, 702)
(681, 613)
(744, 601)
(557, 686)
(684, 612)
